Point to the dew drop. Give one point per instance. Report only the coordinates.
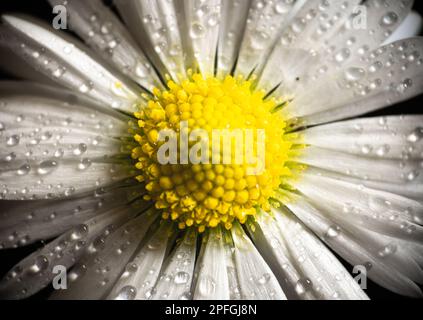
(59, 153)
(342, 55)
(84, 164)
(383, 150)
(80, 149)
(24, 170)
(389, 19)
(197, 30)
(127, 293)
(265, 278)
(79, 232)
(387, 250)
(84, 88)
(181, 277)
(303, 285)
(10, 157)
(12, 141)
(40, 264)
(416, 135)
(333, 232)
(354, 74)
(207, 286)
(47, 167)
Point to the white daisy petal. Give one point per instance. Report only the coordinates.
(232, 26)
(23, 223)
(386, 76)
(101, 29)
(52, 178)
(233, 279)
(265, 21)
(64, 60)
(367, 168)
(154, 25)
(12, 64)
(211, 281)
(375, 210)
(141, 274)
(256, 279)
(199, 27)
(104, 261)
(408, 190)
(394, 137)
(410, 27)
(355, 245)
(301, 41)
(175, 280)
(47, 145)
(309, 269)
(36, 271)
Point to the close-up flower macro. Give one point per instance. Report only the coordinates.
(211, 150)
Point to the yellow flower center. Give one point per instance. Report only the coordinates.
(210, 151)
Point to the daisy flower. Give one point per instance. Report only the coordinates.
(81, 143)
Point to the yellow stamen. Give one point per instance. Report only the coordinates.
(208, 195)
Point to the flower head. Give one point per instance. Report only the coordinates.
(213, 126)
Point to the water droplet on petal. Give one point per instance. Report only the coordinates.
(416, 135)
(265, 278)
(12, 141)
(127, 293)
(303, 285)
(389, 19)
(206, 286)
(354, 74)
(84, 164)
(47, 167)
(41, 263)
(80, 149)
(197, 30)
(24, 170)
(181, 277)
(333, 232)
(387, 250)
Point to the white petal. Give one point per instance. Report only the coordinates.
(15, 66)
(101, 29)
(104, 261)
(410, 27)
(232, 27)
(408, 190)
(142, 272)
(67, 63)
(386, 76)
(154, 24)
(48, 145)
(25, 222)
(36, 271)
(388, 170)
(309, 269)
(301, 44)
(265, 21)
(256, 279)
(375, 210)
(384, 265)
(394, 137)
(199, 28)
(175, 280)
(212, 281)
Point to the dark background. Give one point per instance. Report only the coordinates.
(41, 9)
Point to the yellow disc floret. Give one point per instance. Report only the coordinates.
(231, 151)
